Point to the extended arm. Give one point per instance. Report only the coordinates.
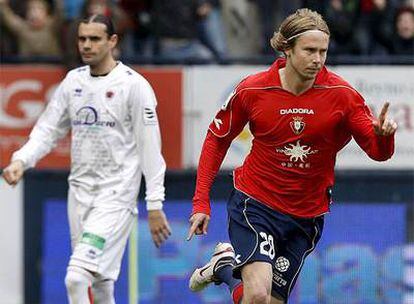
(58, 15)
(374, 136)
(212, 155)
(53, 124)
(11, 20)
(152, 161)
(227, 124)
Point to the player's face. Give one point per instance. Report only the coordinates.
(94, 43)
(308, 55)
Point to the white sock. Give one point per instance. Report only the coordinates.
(77, 282)
(103, 292)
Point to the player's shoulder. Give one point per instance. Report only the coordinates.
(127, 71)
(331, 80)
(73, 77)
(336, 84)
(265, 79)
(78, 72)
(131, 76)
(258, 80)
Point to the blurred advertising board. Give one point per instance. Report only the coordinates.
(207, 88)
(379, 84)
(25, 90)
(358, 260)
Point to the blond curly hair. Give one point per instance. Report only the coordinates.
(301, 21)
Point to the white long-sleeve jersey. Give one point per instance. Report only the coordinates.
(115, 137)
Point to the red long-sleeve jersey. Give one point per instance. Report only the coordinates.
(290, 167)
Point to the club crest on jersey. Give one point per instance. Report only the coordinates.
(109, 94)
(297, 125)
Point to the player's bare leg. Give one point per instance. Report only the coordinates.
(257, 281)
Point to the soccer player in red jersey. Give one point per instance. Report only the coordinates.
(300, 115)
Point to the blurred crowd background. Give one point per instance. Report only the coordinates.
(203, 31)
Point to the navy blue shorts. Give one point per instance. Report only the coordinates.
(259, 233)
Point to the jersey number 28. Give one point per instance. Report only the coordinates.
(267, 246)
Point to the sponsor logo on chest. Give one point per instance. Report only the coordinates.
(297, 152)
(296, 111)
(88, 116)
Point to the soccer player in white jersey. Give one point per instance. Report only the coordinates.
(115, 140)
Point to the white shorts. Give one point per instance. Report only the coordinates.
(98, 237)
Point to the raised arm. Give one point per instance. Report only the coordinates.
(58, 15)
(374, 135)
(11, 20)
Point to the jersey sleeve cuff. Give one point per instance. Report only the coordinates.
(18, 157)
(205, 210)
(201, 204)
(387, 143)
(154, 205)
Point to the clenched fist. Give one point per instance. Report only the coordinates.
(13, 172)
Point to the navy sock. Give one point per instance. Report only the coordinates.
(225, 275)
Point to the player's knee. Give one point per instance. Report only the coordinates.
(74, 282)
(258, 296)
(77, 280)
(257, 293)
(103, 291)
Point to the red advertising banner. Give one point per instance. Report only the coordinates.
(25, 89)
